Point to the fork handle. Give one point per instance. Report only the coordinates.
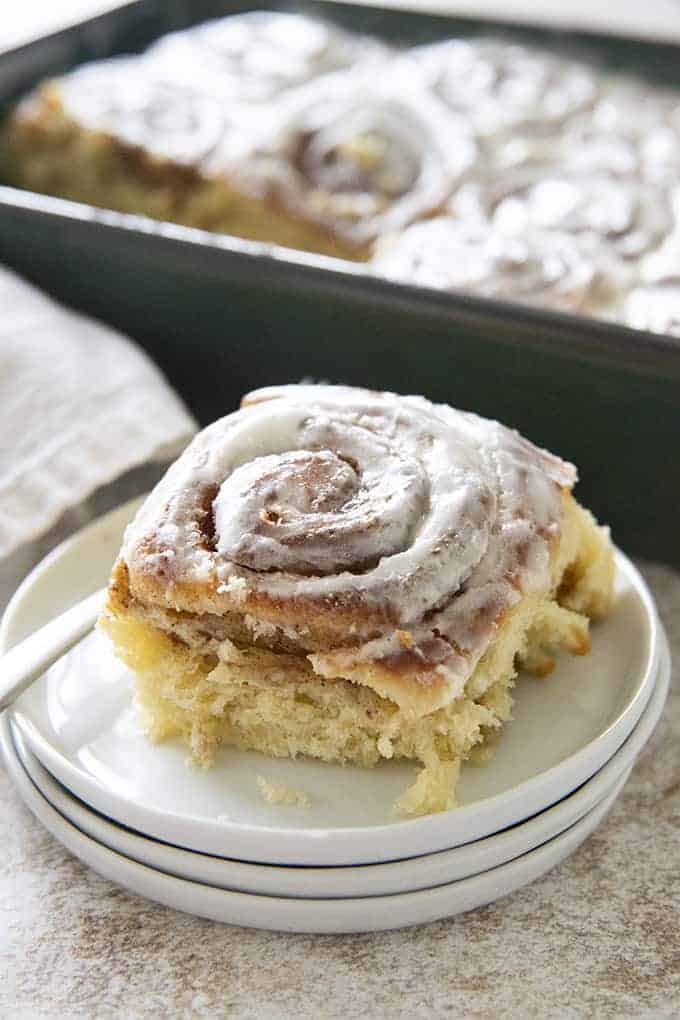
(35, 654)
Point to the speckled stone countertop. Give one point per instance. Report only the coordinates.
(597, 937)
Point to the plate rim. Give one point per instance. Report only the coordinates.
(306, 846)
(236, 878)
(296, 915)
(244, 876)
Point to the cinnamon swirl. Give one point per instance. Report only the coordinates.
(360, 158)
(502, 86)
(353, 575)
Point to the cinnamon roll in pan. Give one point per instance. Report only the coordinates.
(537, 267)
(500, 86)
(114, 135)
(353, 576)
(360, 157)
(615, 217)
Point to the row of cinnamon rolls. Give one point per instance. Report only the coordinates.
(474, 164)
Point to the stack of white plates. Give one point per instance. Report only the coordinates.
(209, 843)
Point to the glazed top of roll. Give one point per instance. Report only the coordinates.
(123, 98)
(256, 56)
(501, 85)
(386, 535)
(360, 154)
(622, 217)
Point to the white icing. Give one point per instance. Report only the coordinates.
(501, 86)
(623, 217)
(121, 98)
(655, 307)
(255, 57)
(431, 518)
(539, 267)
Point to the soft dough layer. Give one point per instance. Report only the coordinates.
(208, 689)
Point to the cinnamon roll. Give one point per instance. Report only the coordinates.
(113, 135)
(257, 56)
(537, 267)
(122, 99)
(502, 86)
(360, 158)
(353, 575)
(617, 217)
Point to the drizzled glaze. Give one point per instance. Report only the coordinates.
(429, 519)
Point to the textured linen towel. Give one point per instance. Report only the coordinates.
(80, 405)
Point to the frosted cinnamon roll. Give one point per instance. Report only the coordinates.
(538, 267)
(352, 576)
(120, 98)
(256, 57)
(359, 158)
(502, 86)
(113, 135)
(619, 217)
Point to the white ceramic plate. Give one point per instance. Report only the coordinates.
(373, 879)
(319, 916)
(80, 722)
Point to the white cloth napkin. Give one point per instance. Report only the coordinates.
(80, 405)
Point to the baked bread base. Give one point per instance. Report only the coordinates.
(209, 693)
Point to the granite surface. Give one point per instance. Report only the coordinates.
(597, 937)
